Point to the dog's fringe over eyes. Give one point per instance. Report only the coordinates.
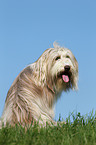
(33, 93)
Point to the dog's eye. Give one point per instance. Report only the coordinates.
(67, 56)
(58, 57)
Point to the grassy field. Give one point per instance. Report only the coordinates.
(81, 131)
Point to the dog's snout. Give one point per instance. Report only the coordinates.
(67, 67)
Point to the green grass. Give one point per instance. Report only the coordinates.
(81, 131)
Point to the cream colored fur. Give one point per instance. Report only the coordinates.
(35, 90)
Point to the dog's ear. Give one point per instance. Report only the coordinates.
(42, 66)
(41, 70)
(76, 76)
(75, 85)
(75, 82)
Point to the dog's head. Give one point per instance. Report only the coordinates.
(59, 69)
(62, 69)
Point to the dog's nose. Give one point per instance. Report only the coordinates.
(67, 67)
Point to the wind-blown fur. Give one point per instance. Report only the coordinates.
(36, 89)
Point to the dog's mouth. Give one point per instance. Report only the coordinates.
(65, 78)
(65, 75)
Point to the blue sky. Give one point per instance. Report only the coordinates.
(27, 28)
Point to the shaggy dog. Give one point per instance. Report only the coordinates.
(36, 89)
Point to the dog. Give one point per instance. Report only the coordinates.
(36, 89)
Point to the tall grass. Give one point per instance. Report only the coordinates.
(81, 131)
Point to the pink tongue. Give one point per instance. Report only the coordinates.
(65, 78)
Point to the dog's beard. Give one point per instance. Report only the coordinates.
(65, 76)
(66, 79)
(63, 80)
